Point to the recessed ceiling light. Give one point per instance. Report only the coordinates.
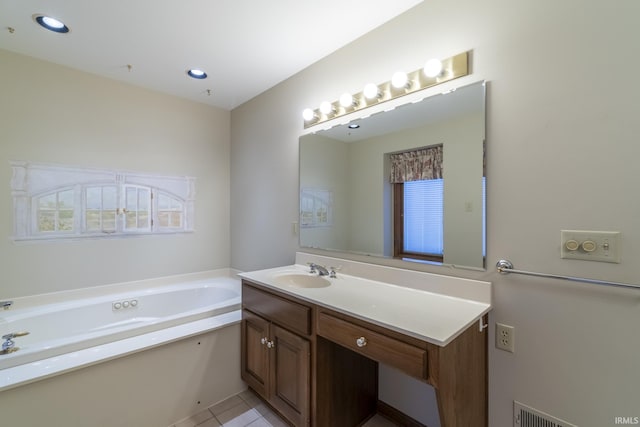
(197, 74)
(51, 24)
(354, 126)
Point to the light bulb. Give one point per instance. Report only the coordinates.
(197, 74)
(346, 100)
(371, 91)
(399, 80)
(52, 22)
(433, 68)
(308, 114)
(326, 107)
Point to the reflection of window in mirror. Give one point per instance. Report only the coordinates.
(418, 212)
(316, 206)
(419, 222)
(419, 209)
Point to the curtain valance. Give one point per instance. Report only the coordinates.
(416, 165)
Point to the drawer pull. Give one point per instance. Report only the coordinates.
(361, 342)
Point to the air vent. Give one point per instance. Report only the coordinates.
(524, 416)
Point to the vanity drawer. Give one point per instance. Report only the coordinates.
(381, 348)
(288, 314)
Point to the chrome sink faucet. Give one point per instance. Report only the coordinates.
(315, 268)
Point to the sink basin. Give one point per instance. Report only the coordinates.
(301, 280)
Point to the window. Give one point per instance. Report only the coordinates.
(138, 208)
(100, 209)
(170, 212)
(68, 202)
(418, 190)
(423, 229)
(316, 208)
(55, 212)
(419, 219)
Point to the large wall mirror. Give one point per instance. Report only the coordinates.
(349, 202)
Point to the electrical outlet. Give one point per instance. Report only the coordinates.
(505, 337)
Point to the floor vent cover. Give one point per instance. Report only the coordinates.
(524, 416)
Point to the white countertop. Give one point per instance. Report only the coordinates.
(429, 316)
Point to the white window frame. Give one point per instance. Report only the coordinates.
(31, 180)
(316, 208)
(126, 210)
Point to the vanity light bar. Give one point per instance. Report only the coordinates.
(452, 68)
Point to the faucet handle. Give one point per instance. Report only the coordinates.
(332, 271)
(312, 267)
(9, 346)
(15, 335)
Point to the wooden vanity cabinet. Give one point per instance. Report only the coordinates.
(319, 367)
(457, 371)
(391, 350)
(276, 352)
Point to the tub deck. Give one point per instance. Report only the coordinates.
(85, 327)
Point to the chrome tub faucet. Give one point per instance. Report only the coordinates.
(6, 304)
(9, 346)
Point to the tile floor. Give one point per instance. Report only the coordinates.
(247, 410)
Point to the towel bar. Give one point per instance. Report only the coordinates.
(505, 266)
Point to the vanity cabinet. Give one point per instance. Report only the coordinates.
(393, 351)
(276, 352)
(457, 371)
(319, 367)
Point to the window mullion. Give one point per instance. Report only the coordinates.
(121, 212)
(78, 209)
(152, 209)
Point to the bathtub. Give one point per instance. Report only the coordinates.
(74, 329)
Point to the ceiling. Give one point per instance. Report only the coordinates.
(245, 46)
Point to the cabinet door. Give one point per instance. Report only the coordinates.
(290, 384)
(255, 356)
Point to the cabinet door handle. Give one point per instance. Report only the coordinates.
(271, 344)
(361, 342)
(263, 341)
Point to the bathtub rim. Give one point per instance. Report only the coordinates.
(57, 365)
(36, 370)
(60, 301)
(68, 295)
(47, 303)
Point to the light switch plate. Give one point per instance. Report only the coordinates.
(603, 246)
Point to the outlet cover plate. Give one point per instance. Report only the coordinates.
(603, 246)
(505, 337)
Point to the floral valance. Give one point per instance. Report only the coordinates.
(416, 165)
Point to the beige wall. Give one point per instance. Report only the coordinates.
(53, 114)
(562, 147)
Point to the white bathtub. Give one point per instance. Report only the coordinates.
(69, 330)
